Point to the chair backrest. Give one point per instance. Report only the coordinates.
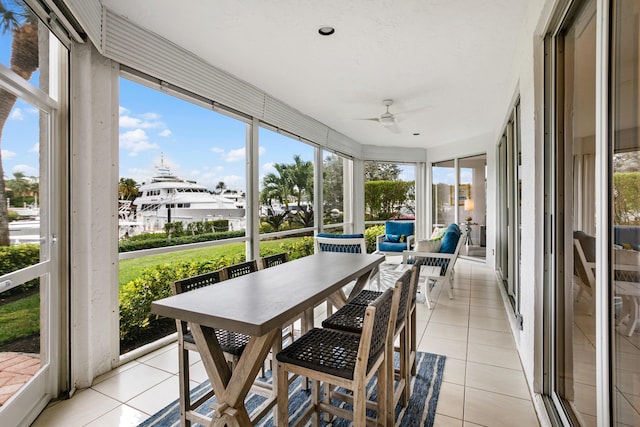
(399, 227)
(340, 243)
(241, 269)
(406, 282)
(199, 281)
(191, 283)
(277, 259)
(379, 317)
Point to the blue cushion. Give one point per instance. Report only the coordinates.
(454, 227)
(393, 238)
(399, 227)
(341, 236)
(449, 242)
(392, 247)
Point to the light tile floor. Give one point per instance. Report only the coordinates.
(483, 382)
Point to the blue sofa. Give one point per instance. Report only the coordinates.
(398, 236)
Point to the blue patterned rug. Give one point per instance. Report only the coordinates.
(421, 410)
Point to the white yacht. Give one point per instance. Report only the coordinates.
(167, 198)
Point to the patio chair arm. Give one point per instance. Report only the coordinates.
(408, 254)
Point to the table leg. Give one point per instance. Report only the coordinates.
(231, 388)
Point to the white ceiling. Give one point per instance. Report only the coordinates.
(443, 62)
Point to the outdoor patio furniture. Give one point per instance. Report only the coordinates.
(398, 236)
(365, 297)
(258, 304)
(439, 266)
(272, 260)
(345, 360)
(350, 319)
(231, 343)
(241, 269)
(344, 243)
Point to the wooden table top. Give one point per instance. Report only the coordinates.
(258, 302)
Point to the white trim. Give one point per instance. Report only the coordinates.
(603, 247)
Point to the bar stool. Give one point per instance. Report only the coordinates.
(349, 318)
(342, 359)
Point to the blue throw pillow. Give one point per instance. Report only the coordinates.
(393, 238)
(449, 242)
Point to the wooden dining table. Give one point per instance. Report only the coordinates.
(259, 304)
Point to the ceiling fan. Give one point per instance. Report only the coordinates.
(386, 119)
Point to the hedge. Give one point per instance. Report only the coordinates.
(162, 240)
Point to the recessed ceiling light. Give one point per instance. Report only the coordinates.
(326, 31)
(416, 134)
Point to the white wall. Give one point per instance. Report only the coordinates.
(527, 82)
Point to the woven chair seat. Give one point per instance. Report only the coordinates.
(324, 350)
(230, 342)
(348, 318)
(365, 297)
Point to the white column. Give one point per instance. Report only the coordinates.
(357, 197)
(94, 215)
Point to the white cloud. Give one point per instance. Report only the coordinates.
(26, 169)
(217, 150)
(35, 148)
(136, 141)
(16, 114)
(144, 121)
(166, 133)
(6, 154)
(235, 155)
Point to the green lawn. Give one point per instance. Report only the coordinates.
(129, 269)
(20, 318)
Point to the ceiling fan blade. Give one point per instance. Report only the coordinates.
(412, 111)
(373, 119)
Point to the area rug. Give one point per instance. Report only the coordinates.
(420, 411)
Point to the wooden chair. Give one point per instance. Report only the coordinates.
(273, 260)
(240, 269)
(350, 318)
(342, 359)
(232, 343)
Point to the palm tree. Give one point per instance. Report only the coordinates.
(128, 189)
(275, 186)
(18, 19)
(220, 187)
(300, 175)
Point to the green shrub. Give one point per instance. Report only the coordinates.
(14, 258)
(298, 249)
(265, 228)
(370, 235)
